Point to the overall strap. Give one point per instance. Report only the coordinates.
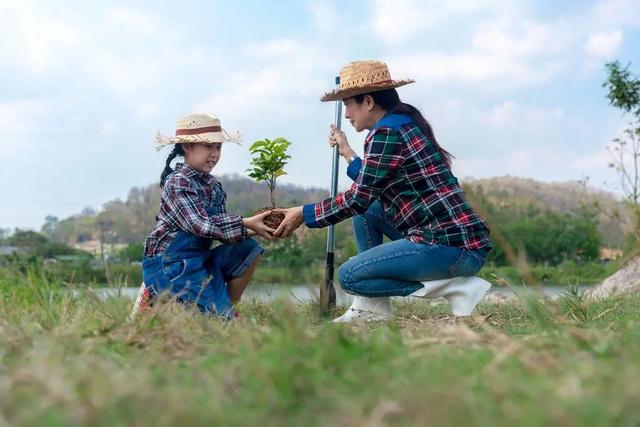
(393, 121)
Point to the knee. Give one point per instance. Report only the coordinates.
(250, 244)
(346, 281)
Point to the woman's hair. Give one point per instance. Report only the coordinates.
(389, 100)
(177, 151)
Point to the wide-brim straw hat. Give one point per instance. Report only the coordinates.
(198, 128)
(360, 77)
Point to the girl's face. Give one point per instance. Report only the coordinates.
(362, 116)
(202, 157)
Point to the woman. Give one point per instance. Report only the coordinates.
(403, 188)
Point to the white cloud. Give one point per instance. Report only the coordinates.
(18, 120)
(33, 40)
(397, 21)
(510, 116)
(283, 74)
(503, 51)
(616, 12)
(516, 39)
(129, 20)
(603, 45)
(474, 68)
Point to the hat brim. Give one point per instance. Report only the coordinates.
(339, 94)
(201, 138)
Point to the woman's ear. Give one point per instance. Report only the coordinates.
(368, 102)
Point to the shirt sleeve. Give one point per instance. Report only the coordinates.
(186, 211)
(354, 168)
(383, 157)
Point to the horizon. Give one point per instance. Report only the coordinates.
(511, 89)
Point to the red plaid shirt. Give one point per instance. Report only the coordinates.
(418, 192)
(182, 207)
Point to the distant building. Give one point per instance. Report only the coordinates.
(609, 254)
(93, 247)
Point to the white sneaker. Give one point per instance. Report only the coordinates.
(463, 293)
(364, 309)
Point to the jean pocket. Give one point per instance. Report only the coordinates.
(466, 265)
(173, 270)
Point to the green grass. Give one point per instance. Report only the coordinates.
(81, 361)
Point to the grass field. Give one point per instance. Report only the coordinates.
(80, 361)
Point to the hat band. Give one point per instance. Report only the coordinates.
(196, 131)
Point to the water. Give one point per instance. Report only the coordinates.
(305, 293)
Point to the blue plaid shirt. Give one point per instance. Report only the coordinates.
(418, 192)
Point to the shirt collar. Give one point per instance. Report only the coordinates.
(190, 172)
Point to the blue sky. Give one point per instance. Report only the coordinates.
(510, 87)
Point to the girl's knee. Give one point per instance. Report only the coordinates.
(250, 243)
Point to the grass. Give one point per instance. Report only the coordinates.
(68, 360)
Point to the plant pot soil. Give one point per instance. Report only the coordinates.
(272, 220)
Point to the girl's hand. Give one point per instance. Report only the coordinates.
(256, 225)
(338, 137)
(293, 219)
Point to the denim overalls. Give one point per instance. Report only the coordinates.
(193, 273)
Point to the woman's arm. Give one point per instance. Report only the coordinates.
(382, 159)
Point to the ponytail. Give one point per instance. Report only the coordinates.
(177, 151)
(389, 100)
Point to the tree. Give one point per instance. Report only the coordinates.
(624, 93)
(624, 88)
(268, 161)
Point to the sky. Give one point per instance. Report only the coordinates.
(511, 88)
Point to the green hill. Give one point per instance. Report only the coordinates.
(131, 219)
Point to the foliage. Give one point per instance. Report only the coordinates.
(133, 252)
(268, 161)
(624, 88)
(38, 245)
(76, 359)
(624, 93)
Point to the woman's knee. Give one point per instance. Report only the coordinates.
(346, 278)
(343, 276)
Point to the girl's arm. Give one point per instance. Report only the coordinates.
(184, 209)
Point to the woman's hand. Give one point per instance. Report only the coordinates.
(256, 225)
(293, 219)
(337, 137)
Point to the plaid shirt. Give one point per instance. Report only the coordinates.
(183, 208)
(417, 190)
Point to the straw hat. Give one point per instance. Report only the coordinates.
(361, 77)
(199, 128)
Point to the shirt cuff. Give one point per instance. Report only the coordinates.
(309, 215)
(235, 229)
(354, 168)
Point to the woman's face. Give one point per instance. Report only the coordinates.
(362, 116)
(202, 157)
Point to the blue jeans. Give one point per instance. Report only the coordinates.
(194, 274)
(396, 268)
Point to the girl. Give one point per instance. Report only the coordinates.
(403, 188)
(178, 258)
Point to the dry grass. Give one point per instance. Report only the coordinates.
(68, 360)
